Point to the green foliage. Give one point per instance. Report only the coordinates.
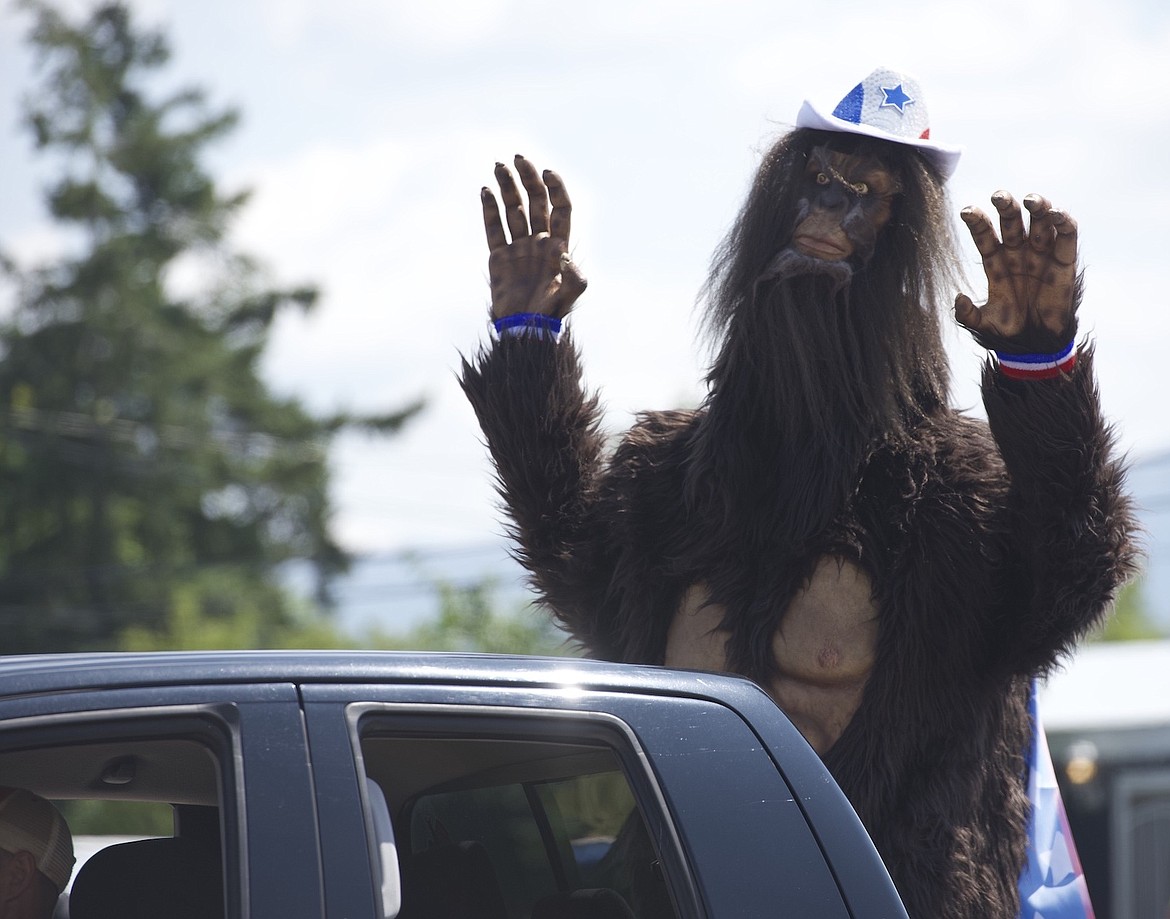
(593, 805)
(467, 622)
(117, 818)
(224, 611)
(150, 484)
(1131, 620)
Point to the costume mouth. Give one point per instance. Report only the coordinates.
(793, 262)
(821, 248)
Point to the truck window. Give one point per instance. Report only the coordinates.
(515, 828)
(143, 809)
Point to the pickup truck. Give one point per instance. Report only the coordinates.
(412, 785)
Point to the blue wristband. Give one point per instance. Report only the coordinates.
(528, 323)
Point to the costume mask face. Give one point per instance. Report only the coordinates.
(848, 199)
(845, 201)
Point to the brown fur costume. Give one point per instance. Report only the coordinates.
(826, 434)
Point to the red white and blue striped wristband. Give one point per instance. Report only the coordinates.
(1037, 366)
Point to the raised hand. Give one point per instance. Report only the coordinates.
(1032, 288)
(533, 273)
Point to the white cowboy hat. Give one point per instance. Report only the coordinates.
(888, 105)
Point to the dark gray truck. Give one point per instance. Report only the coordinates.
(311, 784)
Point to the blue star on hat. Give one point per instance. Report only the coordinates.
(896, 97)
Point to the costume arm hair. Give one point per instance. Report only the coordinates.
(544, 439)
(1072, 526)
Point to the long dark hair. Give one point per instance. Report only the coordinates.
(810, 376)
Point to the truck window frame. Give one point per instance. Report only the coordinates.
(212, 726)
(541, 725)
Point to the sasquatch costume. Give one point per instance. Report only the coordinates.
(895, 573)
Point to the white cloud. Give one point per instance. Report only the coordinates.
(321, 193)
(445, 23)
(370, 126)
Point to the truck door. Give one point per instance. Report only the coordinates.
(526, 803)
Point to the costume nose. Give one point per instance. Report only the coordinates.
(833, 197)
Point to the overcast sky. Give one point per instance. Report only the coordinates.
(370, 125)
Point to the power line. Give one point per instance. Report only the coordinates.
(447, 552)
(88, 428)
(404, 557)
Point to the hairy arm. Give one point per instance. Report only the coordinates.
(542, 433)
(1071, 522)
(1070, 544)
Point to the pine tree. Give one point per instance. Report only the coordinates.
(144, 465)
